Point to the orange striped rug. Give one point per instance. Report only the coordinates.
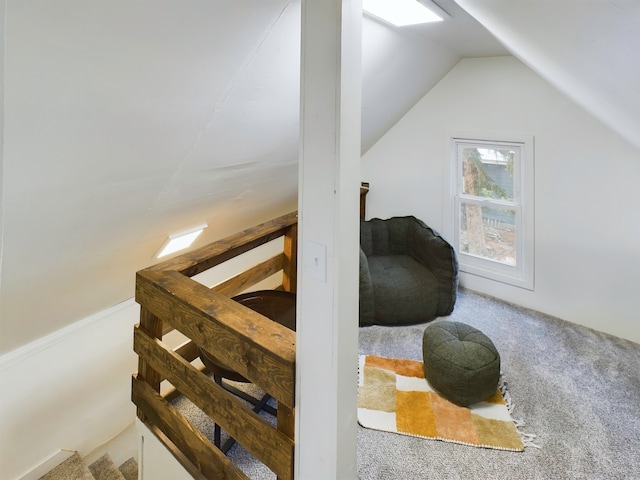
(394, 396)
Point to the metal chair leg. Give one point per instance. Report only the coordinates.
(259, 405)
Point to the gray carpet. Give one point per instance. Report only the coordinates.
(105, 469)
(576, 389)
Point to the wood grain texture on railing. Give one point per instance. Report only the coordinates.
(259, 349)
(273, 447)
(191, 442)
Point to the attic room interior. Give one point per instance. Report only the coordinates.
(126, 122)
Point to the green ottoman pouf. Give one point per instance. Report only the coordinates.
(460, 362)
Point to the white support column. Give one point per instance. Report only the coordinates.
(328, 205)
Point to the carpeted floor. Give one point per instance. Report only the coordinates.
(576, 389)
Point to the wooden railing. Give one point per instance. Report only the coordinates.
(259, 349)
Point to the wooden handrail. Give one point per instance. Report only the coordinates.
(259, 349)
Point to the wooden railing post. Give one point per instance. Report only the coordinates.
(290, 269)
(287, 424)
(152, 326)
(286, 414)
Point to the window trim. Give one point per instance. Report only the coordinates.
(521, 275)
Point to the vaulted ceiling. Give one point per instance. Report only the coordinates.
(125, 121)
(588, 50)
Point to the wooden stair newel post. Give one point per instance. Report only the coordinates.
(152, 326)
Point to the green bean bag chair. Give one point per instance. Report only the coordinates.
(408, 272)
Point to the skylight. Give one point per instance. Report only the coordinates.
(403, 12)
(180, 241)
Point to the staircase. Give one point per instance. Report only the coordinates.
(74, 468)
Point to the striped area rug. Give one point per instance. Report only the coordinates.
(394, 396)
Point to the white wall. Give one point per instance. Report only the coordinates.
(587, 230)
(68, 390)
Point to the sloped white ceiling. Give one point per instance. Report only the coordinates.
(589, 50)
(399, 66)
(129, 120)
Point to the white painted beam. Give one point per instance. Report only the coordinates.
(327, 327)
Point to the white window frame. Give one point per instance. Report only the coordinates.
(522, 274)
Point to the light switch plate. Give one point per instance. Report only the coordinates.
(317, 261)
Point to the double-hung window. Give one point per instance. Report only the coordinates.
(493, 208)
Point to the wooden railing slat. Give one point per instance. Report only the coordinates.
(191, 442)
(153, 326)
(243, 281)
(270, 446)
(259, 349)
(253, 275)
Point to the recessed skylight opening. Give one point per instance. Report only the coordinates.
(180, 241)
(403, 12)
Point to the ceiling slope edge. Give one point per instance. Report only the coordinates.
(584, 63)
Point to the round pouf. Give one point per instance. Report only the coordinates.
(460, 362)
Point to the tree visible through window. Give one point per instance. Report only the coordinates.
(489, 226)
(487, 223)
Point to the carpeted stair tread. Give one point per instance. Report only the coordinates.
(105, 469)
(71, 469)
(129, 469)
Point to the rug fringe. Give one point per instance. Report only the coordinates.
(528, 439)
